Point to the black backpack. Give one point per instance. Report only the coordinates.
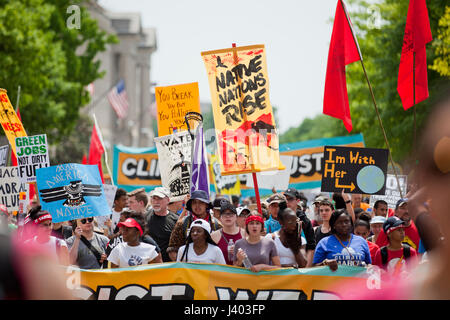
(384, 253)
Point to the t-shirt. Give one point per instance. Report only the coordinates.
(354, 252)
(223, 243)
(258, 253)
(411, 237)
(212, 254)
(124, 255)
(160, 228)
(373, 248)
(395, 263)
(272, 225)
(119, 239)
(50, 247)
(85, 257)
(319, 235)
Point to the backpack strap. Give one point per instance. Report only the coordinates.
(384, 255)
(406, 251)
(88, 244)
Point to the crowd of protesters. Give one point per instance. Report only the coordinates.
(332, 230)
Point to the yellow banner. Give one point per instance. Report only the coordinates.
(247, 138)
(191, 281)
(173, 102)
(10, 121)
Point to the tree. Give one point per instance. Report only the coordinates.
(381, 49)
(51, 62)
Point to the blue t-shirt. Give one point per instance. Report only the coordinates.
(272, 225)
(354, 255)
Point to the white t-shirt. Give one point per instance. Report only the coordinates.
(286, 255)
(212, 254)
(49, 246)
(125, 256)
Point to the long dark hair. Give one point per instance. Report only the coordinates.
(294, 240)
(189, 240)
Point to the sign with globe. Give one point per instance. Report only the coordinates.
(354, 170)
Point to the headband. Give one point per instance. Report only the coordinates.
(253, 218)
(43, 218)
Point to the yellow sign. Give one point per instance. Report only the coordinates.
(173, 102)
(247, 138)
(194, 281)
(10, 121)
(224, 185)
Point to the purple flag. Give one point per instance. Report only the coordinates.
(200, 172)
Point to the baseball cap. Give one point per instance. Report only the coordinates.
(276, 198)
(392, 223)
(161, 192)
(218, 202)
(240, 210)
(227, 206)
(131, 223)
(378, 219)
(291, 192)
(202, 224)
(401, 202)
(318, 199)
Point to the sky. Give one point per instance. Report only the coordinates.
(296, 35)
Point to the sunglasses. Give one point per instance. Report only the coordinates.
(83, 221)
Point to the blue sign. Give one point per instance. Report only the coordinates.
(71, 191)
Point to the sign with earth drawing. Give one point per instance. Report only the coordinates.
(356, 170)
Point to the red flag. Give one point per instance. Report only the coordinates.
(414, 89)
(343, 50)
(96, 150)
(84, 160)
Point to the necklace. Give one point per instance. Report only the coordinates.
(346, 247)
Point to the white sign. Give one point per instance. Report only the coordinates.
(278, 179)
(392, 194)
(3, 155)
(174, 153)
(32, 154)
(10, 188)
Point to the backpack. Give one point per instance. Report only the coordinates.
(384, 253)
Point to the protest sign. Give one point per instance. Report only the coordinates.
(10, 121)
(110, 194)
(392, 194)
(200, 281)
(4, 155)
(172, 103)
(175, 170)
(356, 170)
(274, 179)
(247, 137)
(224, 185)
(32, 153)
(71, 191)
(135, 168)
(11, 187)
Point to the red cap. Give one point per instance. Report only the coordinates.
(254, 218)
(131, 223)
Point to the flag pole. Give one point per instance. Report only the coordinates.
(244, 114)
(414, 103)
(106, 152)
(373, 99)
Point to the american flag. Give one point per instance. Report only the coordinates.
(118, 99)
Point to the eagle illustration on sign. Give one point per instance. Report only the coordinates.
(73, 193)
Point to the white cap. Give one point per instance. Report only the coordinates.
(202, 224)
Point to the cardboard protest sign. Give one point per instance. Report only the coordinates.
(4, 155)
(10, 121)
(224, 185)
(175, 170)
(356, 170)
(392, 194)
(71, 191)
(11, 187)
(32, 153)
(274, 179)
(172, 103)
(247, 137)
